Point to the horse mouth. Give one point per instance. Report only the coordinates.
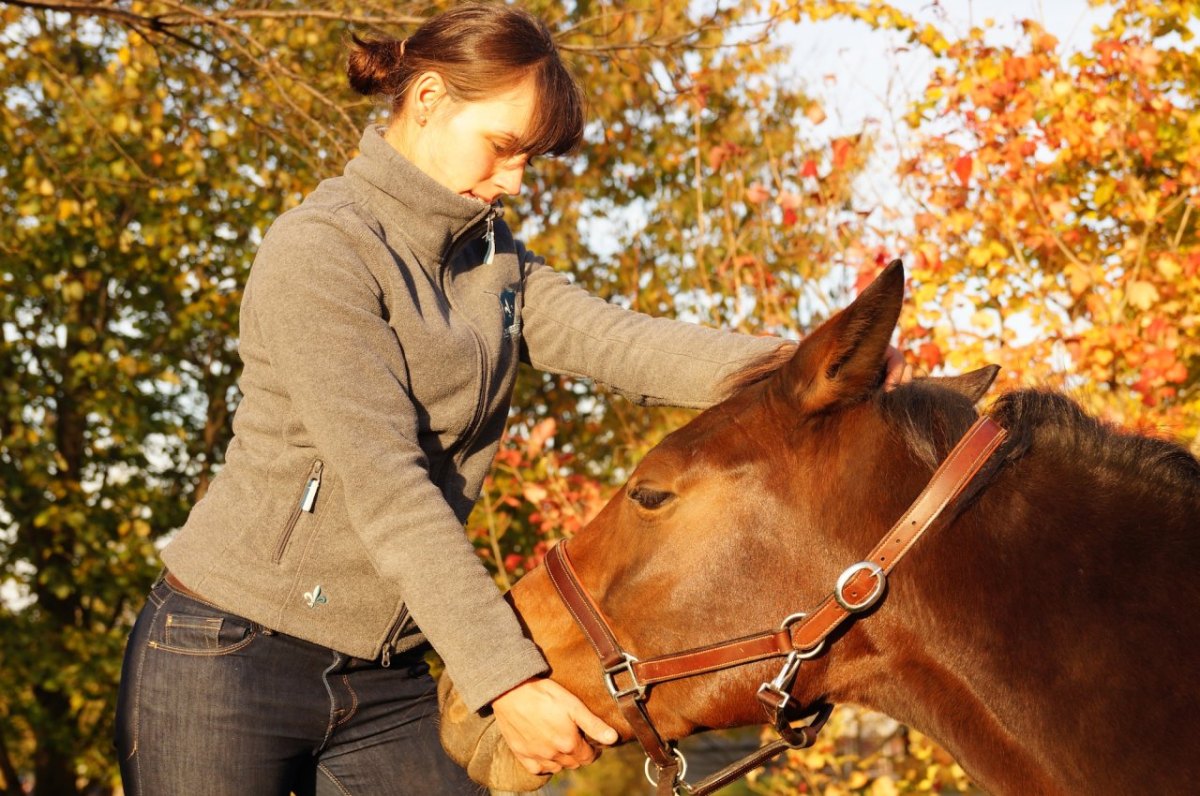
(474, 742)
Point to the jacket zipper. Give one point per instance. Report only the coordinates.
(468, 435)
(393, 638)
(307, 503)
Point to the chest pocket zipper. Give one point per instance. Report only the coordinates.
(306, 504)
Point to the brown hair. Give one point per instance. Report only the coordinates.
(479, 49)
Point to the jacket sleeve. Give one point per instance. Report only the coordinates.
(649, 360)
(320, 312)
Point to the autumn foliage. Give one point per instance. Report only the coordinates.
(1057, 220)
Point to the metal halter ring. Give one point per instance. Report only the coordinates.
(872, 596)
(610, 679)
(678, 777)
(786, 624)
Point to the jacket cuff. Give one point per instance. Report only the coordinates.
(501, 676)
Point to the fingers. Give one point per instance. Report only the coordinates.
(592, 725)
(898, 371)
(541, 722)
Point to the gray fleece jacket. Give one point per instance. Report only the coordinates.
(379, 351)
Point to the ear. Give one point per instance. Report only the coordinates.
(844, 359)
(426, 91)
(973, 385)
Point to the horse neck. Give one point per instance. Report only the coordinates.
(997, 633)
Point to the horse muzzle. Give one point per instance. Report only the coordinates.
(475, 743)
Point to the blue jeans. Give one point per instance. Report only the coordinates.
(213, 705)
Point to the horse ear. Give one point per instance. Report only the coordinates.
(844, 359)
(973, 385)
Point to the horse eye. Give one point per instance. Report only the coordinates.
(649, 498)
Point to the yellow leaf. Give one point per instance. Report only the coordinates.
(884, 786)
(1142, 294)
(45, 187)
(982, 320)
(120, 123)
(979, 256)
(67, 208)
(1167, 266)
(535, 493)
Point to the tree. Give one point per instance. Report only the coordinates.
(1058, 225)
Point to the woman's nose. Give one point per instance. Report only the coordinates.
(509, 179)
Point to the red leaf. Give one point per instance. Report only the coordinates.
(962, 169)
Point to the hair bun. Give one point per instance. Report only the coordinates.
(372, 63)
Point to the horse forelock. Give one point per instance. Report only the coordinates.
(928, 419)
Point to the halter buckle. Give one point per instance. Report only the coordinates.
(872, 596)
(610, 679)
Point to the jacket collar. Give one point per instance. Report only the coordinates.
(410, 203)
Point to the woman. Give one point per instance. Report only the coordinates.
(381, 328)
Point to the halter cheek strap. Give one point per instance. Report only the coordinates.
(800, 636)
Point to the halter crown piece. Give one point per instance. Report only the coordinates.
(800, 636)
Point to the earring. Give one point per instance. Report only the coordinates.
(421, 120)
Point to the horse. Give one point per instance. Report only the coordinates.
(1047, 635)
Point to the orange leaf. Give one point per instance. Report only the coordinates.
(841, 151)
(539, 435)
(962, 169)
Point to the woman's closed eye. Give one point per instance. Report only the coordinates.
(650, 498)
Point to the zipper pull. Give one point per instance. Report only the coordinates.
(386, 660)
(490, 238)
(310, 489)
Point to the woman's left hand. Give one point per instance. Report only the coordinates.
(547, 727)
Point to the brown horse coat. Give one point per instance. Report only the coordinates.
(1048, 638)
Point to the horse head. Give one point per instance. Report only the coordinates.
(749, 514)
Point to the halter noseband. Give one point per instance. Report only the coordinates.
(800, 636)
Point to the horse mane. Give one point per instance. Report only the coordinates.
(930, 418)
(1055, 420)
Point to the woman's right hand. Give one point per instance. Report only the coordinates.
(547, 727)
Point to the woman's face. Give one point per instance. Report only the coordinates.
(460, 143)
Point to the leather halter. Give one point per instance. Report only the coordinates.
(800, 636)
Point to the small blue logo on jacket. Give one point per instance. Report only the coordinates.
(315, 597)
(508, 304)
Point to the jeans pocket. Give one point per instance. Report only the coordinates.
(203, 633)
